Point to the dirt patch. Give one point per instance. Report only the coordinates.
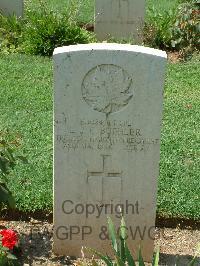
(161, 221)
(36, 244)
(174, 57)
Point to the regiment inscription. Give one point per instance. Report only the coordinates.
(105, 135)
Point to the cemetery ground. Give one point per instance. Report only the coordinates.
(26, 105)
(86, 7)
(26, 114)
(26, 118)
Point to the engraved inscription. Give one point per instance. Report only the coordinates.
(107, 88)
(104, 135)
(105, 177)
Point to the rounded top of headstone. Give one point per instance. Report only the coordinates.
(110, 47)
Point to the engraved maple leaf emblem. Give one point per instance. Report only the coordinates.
(107, 88)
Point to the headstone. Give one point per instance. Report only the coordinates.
(10, 7)
(108, 111)
(119, 19)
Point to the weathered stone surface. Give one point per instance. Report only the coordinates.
(107, 115)
(10, 7)
(120, 19)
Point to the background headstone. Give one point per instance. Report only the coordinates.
(108, 110)
(10, 7)
(120, 19)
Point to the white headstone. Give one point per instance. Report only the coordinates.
(108, 111)
(12, 7)
(119, 19)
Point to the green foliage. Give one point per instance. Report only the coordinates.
(186, 30)
(122, 255)
(41, 32)
(176, 28)
(121, 252)
(7, 162)
(6, 197)
(47, 25)
(158, 28)
(179, 185)
(84, 8)
(186, 1)
(7, 258)
(46, 30)
(26, 107)
(10, 34)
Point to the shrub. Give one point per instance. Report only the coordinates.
(46, 30)
(186, 29)
(8, 160)
(158, 28)
(42, 31)
(10, 33)
(174, 29)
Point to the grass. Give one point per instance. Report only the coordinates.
(179, 169)
(86, 7)
(26, 108)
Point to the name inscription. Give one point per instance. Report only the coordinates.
(105, 135)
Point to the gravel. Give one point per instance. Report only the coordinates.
(36, 244)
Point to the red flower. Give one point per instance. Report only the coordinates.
(9, 238)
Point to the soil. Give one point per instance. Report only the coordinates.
(174, 57)
(36, 244)
(36, 236)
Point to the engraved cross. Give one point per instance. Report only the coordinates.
(105, 175)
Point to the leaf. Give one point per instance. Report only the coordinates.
(173, 43)
(23, 159)
(2, 143)
(140, 258)
(11, 256)
(156, 259)
(106, 259)
(123, 254)
(5, 249)
(9, 154)
(123, 229)
(3, 165)
(119, 261)
(123, 236)
(129, 257)
(6, 196)
(112, 234)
